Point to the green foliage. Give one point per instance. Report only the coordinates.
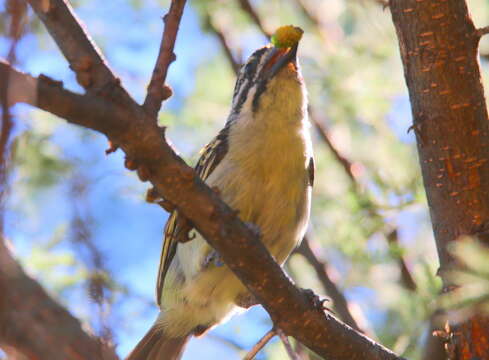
(39, 161)
(56, 268)
(473, 274)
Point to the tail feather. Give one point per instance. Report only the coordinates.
(156, 346)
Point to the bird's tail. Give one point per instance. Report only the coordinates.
(156, 346)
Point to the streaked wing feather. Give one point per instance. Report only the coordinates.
(211, 156)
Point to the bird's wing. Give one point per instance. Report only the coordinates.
(177, 225)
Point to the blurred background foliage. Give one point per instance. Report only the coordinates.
(78, 221)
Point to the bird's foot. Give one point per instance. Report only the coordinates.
(318, 302)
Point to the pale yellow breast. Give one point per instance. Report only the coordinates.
(266, 179)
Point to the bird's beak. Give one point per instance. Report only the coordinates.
(278, 58)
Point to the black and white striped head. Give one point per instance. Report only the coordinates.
(270, 77)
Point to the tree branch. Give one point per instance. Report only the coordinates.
(235, 65)
(260, 344)
(288, 348)
(142, 141)
(250, 10)
(85, 59)
(32, 323)
(406, 278)
(313, 18)
(157, 90)
(483, 31)
(450, 122)
(49, 95)
(345, 163)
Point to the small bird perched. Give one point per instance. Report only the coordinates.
(261, 165)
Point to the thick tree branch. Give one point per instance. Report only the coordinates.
(91, 68)
(438, 46)
(32, 323)
(157, 90)
(143, 142)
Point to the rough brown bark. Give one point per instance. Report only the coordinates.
(438, 44)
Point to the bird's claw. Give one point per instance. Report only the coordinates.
(317, 301)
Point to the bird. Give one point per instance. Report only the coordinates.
(261, 164)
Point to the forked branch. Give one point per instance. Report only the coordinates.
(157, 90)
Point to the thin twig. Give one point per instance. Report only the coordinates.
(340, 158)
(285, 340)
(98, 282)
(250, 10)
(301, 350)
(224, 43)
(313, 18)
(483, 31)
(157, 91)
(406, 278)
(260, 344)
